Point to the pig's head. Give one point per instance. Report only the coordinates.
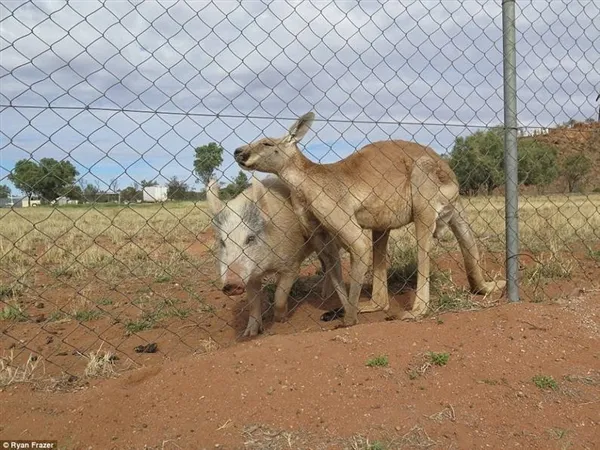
(240, 231)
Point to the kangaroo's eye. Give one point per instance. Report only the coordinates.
(222, 243)
(269, 144)
(250, 239)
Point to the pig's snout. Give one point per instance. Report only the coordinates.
(233, 283)
(233, 289)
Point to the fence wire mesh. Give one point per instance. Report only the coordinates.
(115, 116)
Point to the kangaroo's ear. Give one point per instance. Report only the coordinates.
(212, 195)
(299, 129)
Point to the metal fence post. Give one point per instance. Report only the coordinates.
(510, 149)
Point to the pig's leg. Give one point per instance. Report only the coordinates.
(284, 286)
(254, 296)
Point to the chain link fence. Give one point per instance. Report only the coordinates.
(115, 117)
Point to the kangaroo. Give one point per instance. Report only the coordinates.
(383, 186)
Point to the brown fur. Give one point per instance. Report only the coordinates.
(383, 186)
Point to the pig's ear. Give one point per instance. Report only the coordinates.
(212, 195)
(259, 192)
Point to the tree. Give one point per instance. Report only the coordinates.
(56, 178)
(575, 168)
(49, 179)
(537, 163)
(145, 183)
(130, 194)
(241, 182)
(176, 189)
(477, 161)
(195, 196)
(91, 193)
(208, 158)
(4, 191)
(25, 176)
(236, 187)
(73, 193)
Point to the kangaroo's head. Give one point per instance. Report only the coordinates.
(272, 154)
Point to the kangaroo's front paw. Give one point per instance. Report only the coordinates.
(412, 316)
(490, 286)
(349, 321)
(280, 316)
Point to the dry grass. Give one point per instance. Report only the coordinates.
(71, 241)
(544, 221)
(12, 311)
(111, 241)
(550, 227)
(416, 437)
(11, 372)
(265, 438)
(100, 364)
(104, 245)
(208, 345)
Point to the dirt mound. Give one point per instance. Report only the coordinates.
(524, 375)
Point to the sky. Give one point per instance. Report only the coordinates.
(127, 90)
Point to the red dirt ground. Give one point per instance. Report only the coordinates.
(314, 390)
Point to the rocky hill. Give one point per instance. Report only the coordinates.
(575, 138)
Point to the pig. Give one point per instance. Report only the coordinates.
(258, 234)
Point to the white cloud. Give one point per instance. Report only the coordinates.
(426, 71)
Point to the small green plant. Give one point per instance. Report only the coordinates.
(438, 359)
(378, 361)
(203, 306)
(85, 315)
(56, 316)
(13, 311)
(594, 254)
(10, 290)
(545, 382)
(558, 433)
(376, 446)
(146, 322)
(180, 313)
(171, 308)
(163, 278)
(105, 301)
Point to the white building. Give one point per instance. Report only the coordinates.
(15, 201)
(61, 201)
(155, 194)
